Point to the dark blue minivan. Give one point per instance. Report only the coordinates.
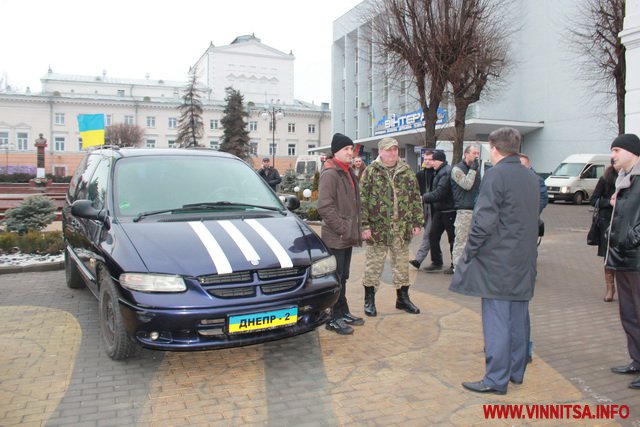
(189, 249)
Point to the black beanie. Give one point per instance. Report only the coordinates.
(629, 142)
(439, 155)
(340, 141)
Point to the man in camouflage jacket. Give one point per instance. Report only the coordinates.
(392, 214)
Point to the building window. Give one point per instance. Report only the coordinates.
(23, 141)
(59, 118)
(272, 149)
(120, 92)
(292, 128)
(253, 148)
(108, 119)
(173, 122)
(4, 139)
(291, 149)
(128, 120)
(151, 121)
(253, 126)
(213, 144)
(310, 146)
(213, 124)
(150, 143)
(80, 144)
(58, 143)
(172, 143)
(312, 128)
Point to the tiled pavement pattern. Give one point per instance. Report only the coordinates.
(397, 369)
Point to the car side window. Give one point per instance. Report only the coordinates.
(83, 183)
(590, 172)
(97, 190)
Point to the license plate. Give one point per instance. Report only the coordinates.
(551, 196)
(262, 321)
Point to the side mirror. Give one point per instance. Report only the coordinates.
(84, 209)
(291, 202)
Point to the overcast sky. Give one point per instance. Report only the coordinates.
(163, 38)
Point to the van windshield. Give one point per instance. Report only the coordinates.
(569, 169)
(151, 183)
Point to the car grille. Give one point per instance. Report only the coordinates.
(557, 189)
(244, 284)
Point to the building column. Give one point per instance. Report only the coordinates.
(630, 37)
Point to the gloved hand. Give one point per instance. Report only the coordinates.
(475, 164)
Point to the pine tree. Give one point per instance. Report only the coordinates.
(235, 139)
(190, 124)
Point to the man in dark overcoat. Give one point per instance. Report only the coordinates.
(499, 261)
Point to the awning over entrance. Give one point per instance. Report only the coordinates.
(475, 130)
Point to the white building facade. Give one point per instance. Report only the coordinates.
(543, 97)
(154, 105)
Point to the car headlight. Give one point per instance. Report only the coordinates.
(323, 267)
(152, 282)
(565, 189)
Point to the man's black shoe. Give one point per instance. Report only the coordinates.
(516, 382)
(635, 384)
(415, 263)
(480, 387)
(433, 268)
(529, 359)
(626, 369)
(352, 320)
(339, 326)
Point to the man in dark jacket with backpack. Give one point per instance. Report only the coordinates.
(339, 207)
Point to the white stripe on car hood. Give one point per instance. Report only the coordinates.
(276, 247)
(247, 249)
(218, 257)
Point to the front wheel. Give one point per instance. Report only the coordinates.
(118, 344)
(578, 198)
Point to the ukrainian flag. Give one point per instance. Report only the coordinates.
(91, 129)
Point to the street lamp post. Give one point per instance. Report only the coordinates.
(273, 115)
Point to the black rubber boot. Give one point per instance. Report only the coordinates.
(403, 302)
(370, 301)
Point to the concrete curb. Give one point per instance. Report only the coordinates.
(50, 266)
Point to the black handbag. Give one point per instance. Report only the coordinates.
(593, 237)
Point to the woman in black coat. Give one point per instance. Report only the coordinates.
(600, 198)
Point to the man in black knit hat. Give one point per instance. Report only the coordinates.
(623, 255)
(339, 207)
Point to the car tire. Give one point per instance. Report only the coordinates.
(578, 198)
(117, 342)
(72, 275)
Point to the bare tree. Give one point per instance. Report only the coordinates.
(594, 36)
(479, 42)
(406, 33)
(190, 123)
(124, 135)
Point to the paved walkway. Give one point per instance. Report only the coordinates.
(397, 369)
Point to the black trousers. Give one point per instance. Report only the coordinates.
(343, 264)
(629, 299)
(441, 222)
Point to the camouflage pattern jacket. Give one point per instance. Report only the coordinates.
(390, 198)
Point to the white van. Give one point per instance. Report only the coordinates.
(306, 167)
(576, 177)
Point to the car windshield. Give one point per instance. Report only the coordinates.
(568, 169)
(156, 183)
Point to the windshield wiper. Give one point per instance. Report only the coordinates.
(203, 206)
(207, 205)
(150, 213)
